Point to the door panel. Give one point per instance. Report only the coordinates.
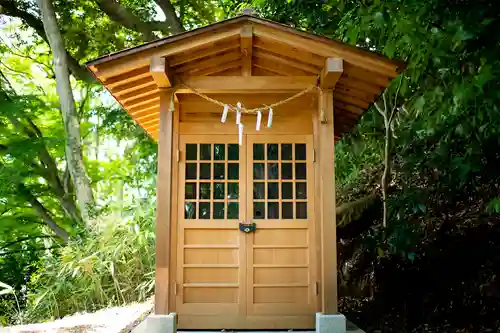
(211, 256)
(280, 253)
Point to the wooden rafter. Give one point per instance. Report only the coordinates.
(207, 63)
(187, 57)
(246, 46)
(144, 91)
(287, 61)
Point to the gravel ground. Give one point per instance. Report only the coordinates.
(111, 320)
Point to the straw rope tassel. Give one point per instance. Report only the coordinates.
(172, 101)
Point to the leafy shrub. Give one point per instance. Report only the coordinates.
(112, 265)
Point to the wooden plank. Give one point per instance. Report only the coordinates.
(132, 85)
(215, 69)
(351, 100)
(204, 52)
(278, 47)
(217, 60)
(146, 106)
(311, 70)
(135, 74)
(145, 91)
(163, 210)
(279, 67)
(246, 47)
(132, 61)
(234, 71)
(141, 99)
(327, 198)
(218, 84)
(161, 72)
(257, 71)
(173, 213)
(155, 114)
(331, 73)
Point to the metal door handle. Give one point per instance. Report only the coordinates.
(247, 227)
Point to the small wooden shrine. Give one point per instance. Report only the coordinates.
(246, 113)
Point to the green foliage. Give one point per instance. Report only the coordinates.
(114, 265)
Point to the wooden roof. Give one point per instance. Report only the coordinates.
(244, 46)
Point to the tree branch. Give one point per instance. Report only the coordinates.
(22, 240)
(394, 105)
(172, 18)
(38, 249)
(10, 8)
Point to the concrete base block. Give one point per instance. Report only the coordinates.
(330, 323)
(158, 324)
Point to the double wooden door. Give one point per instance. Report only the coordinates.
(227, 278)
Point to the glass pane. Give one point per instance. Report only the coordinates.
(204, 170)
(300, 151)
(286, 151)
(219, 170)
(286, 171)
(272, 152)
(301, 212)
(205, 152)
(287, 212)
(287, 191)
(272, 171)
(258, 190)
(204, 212)
(258, 151)
(273, 210)
(191, 152)
(301, 190)
(233, 152)
(190, 190)
(219, 191)
(219, 152)
(300, 171)
(272, 191)
(190, 170)
(233, 171)
(204, 190)
(258, 171)
(233, 210)
(232, 190)
(258, 210)
(190, 210)
(218, 210)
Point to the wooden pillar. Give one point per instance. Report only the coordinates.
(328, 227)
(163, 204)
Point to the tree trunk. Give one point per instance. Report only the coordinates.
(74, 154)
(386, 176)
(172, 19)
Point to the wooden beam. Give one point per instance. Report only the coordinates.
(287, 61)
(163, 210)
(331, 73)
(161, 72)
(250, 84)
(327, 206)
(246, 46)
(216, 60)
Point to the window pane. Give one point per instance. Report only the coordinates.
(219, 170)
(300, 152)
(272, 152)
(205, 171)
(219, 152)
(300, 171)
(258, 190)
(190, 191)
(272, 191)
(191, 152)
(232, 190)
(273, 210)
(258, 151)
(301, 212)
(204, 190)
(218, 210)
(286, 191)
(258, 171)
(205, 152)
(287, 212)
(190, 210)
(233, 170)
(233, 210)
(233, 152)
(204, 212)
(301, 190)
(286, 151)
(219, 191)
(190, 170)
(258, 210)
(286, 171)
(272, 171)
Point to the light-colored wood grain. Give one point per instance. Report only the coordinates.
(204, 52)
(174, 218)
(216, 69)
(327, 207)
(331, 73)
(282, 58)
(126, 77)
(279, 67)
(280, 47)
(163, 210)
(193, 67)
(161, 72)
(246, 47)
